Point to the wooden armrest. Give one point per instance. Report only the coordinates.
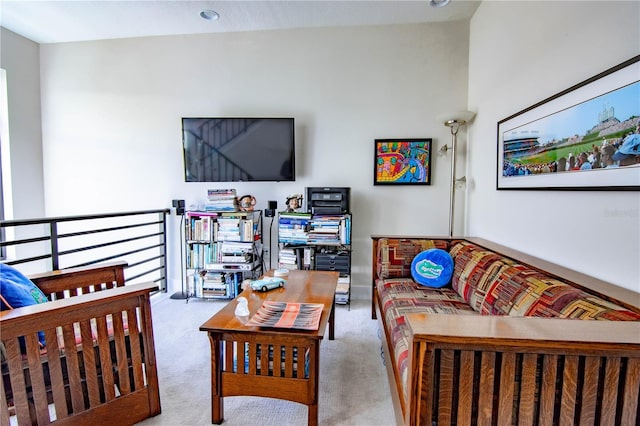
(81, 278)
(30, 318)
(524, 331)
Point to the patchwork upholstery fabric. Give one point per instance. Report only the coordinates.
(395, 255)
(400, 296)
(475, 270)
(521, 291)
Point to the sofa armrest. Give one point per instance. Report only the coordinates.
(536, 370)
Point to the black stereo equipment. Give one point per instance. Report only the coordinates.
(179, 205)
(328, 200)
(271, 210)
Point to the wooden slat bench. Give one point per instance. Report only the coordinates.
(115, 381)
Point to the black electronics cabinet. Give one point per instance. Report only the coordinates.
(328, 200)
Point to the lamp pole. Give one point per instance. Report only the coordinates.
(454, 126)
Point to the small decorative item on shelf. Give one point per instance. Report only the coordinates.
(246, 203)
(294, 202)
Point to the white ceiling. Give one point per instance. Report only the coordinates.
(56, 21)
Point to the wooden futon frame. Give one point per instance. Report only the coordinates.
(501, 370)
(99, 363)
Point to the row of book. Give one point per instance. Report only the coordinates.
(215, 284)
(200, 226)
(215, 255)
(305, 228)
(294, 258)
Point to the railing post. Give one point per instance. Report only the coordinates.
(55, 260)
(164, 251)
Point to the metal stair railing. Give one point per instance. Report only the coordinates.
(45, 244)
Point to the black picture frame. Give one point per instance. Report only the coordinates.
(547, 145)
(402, 161)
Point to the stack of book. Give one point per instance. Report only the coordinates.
(221, 200)
(211, 285)
(342, 291)
(287, 259)
(324, 230)
(293, 227)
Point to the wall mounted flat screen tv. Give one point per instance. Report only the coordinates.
(238, 149)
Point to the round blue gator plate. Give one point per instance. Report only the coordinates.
(432, 268)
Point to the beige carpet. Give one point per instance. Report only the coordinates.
(353, 384)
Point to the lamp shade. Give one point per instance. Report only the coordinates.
(461, 117)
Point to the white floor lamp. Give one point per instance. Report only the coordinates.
(454, 123)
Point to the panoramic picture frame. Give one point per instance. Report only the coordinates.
(402, 161)
(598, 119)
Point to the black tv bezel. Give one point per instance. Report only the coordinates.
(293, 148)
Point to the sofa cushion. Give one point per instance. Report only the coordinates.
(522, 291)
(17, 291)
(432, 268)
(401, 296)
(394, 256)
(475, 270)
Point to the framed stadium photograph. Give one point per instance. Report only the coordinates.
(402, 162)
(584, 138)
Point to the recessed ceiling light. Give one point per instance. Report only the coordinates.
(439, 3)
(209, 15)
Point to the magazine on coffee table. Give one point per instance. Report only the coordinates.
(304, 316)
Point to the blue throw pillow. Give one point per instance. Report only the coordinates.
(432, 268)
(17, 291)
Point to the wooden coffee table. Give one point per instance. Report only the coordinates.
(290, 369)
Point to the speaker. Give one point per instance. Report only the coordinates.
(271, 210)
(179, 205)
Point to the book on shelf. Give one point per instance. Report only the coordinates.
(304, 316)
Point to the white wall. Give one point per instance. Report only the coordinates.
(520, 54)
(111, 117)
(19, 57)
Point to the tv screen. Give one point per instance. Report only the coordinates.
(238, 149)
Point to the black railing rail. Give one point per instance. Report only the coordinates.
(138, 237)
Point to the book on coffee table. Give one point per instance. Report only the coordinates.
(304, 316)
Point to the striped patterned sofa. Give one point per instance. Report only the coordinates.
(487, 286)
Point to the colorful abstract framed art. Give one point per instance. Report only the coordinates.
(584, 138)
(402, 162)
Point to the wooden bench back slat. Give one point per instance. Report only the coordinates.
(90, 365)
(108, 382)
(124, 384)
(136, 354)
(549, 377)
(14, 361)
(36, 376)
(631, 390)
